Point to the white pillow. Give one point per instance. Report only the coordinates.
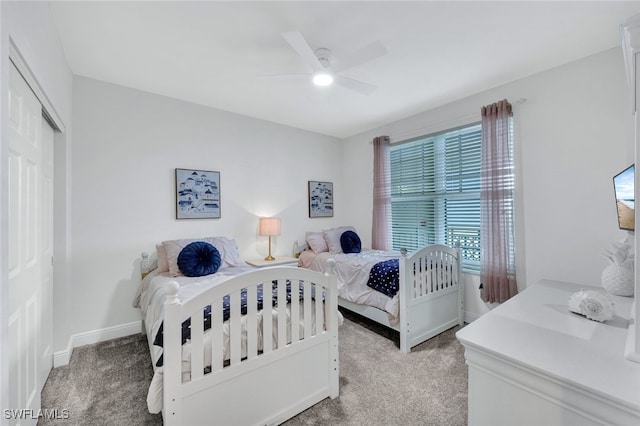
(163, 262)
(316, 242)
(227, 248)
(332, 237)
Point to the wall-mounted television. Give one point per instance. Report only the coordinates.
(625, 198)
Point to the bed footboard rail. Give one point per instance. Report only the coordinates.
(431, 292)
(261, 347)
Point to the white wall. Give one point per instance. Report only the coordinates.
(573, 133)
(31, 29)
(127, 144)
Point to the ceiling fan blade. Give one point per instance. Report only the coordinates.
(285, 76)
(361, 56)
(300, 45)
(357, 85)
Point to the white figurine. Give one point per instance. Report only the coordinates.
(594, 305)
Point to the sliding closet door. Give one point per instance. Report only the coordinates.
(30, 249)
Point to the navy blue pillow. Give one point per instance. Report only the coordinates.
(198, 259)
(350, 242)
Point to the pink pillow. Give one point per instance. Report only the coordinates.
(316, 242)
(163, 262)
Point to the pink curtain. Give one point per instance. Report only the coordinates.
(381, 232)
(497, 260)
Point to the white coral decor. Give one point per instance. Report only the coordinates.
(618, 277)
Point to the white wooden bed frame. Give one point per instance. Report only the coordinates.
(431, 296)
(268, 386)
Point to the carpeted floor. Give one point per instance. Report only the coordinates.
(103, 384)
(106, 383)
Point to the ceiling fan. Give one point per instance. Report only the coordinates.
(320, 61)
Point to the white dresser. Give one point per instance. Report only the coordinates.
(532, 362)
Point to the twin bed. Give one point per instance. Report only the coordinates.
(425, 299)
(243, 363)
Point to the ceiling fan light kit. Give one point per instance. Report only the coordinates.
(322, 78)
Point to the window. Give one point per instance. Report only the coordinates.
(435, 192)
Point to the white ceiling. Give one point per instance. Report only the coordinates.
(212, 52)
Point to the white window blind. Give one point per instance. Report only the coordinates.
(435, 192)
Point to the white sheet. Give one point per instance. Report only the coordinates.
(353, 270)
(150, 299)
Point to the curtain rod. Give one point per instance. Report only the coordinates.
(441, 126)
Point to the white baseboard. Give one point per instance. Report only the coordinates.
(95, 336)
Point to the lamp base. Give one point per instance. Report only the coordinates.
(269, 257)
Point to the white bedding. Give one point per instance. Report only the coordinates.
(353, 273)
(150, 299)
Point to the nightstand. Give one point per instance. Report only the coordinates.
(279, 261)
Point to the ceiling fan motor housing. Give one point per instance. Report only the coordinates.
(324, 56)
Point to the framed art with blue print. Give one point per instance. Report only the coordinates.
(320, 199)
(197, 194)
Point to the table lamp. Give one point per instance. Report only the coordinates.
(269, 226)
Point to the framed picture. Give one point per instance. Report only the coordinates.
(197, 194)
(320, 199)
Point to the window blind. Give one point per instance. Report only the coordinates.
(435, 192)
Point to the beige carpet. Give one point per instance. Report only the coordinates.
(103, 384)
(106, 383)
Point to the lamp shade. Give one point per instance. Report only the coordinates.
(269, 226)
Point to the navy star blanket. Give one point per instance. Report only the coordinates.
(385, 277)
